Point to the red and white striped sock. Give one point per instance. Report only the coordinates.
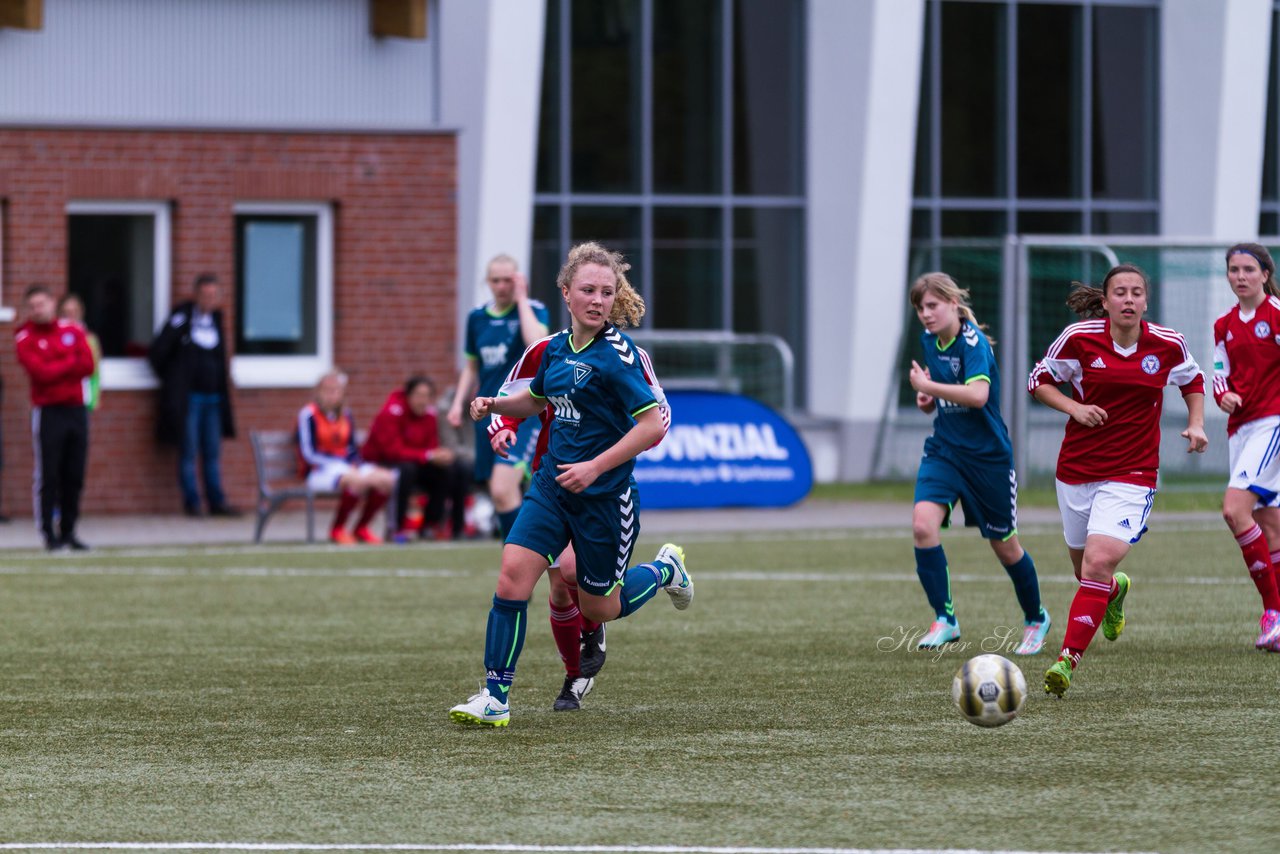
(1085, 617)
(1257, 557)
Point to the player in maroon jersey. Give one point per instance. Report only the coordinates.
(580, 642)
(1117, 365)
(1246, 386)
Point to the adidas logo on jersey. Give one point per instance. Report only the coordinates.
(1124, 523)
(1098, 363)
(1086, 619)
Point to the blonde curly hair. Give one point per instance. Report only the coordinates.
(628, 305)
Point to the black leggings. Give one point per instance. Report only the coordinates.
(443, 484)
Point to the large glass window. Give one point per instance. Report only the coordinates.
(1038, 117)
(673, 130)
(118, 264)
(284, 294)
(1269, 216)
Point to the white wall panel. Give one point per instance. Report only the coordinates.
(223, 63)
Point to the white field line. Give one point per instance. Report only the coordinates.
(498, 847)
(832, 574)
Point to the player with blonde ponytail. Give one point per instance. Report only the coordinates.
(967, 459)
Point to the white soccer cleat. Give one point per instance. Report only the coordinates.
(681, 585)
(481, 710)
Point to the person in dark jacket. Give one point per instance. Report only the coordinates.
(189, 355)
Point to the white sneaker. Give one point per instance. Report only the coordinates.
(481, 710)
(681, 585)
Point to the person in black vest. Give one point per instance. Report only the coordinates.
(189, 355)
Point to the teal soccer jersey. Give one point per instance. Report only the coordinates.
(962, 431)
(494, 341)
(594, 395)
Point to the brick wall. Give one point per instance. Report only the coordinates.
(394, 204)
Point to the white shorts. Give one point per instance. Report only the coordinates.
(1255, 460)
(325, 477)
(1117, 510)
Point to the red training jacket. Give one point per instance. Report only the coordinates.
(399, 436)
(57, 357)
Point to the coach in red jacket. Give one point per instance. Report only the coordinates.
(404, 436)
(56, 355)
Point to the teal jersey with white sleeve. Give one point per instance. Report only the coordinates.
(594, 395)
(965, 432)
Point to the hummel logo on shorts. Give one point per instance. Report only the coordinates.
(1084, 618)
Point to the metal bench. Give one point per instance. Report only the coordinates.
(275, 456)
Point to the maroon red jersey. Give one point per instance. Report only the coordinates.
(57, 357)
(523, 372)
(1129, 385)
(1246, 360)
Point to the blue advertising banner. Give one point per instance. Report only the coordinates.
(724, 450)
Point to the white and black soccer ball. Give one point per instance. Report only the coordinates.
(989, 690)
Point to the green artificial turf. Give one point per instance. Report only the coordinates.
(301, 695)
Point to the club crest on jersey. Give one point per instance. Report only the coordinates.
(1150, 364)
(580, 373)
(954, 362)
(1262, 329)
(68, 339)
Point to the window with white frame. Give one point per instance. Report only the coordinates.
(284, 294)
(118, 263)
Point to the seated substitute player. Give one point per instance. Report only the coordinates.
(327, 445)
(967, 459)
(580, 642)
(584, 492)
(1246, 386)
(1117, 365)
(404, 437)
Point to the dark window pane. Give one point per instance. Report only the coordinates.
(1126, 222)
(1270, 155)
(616, 228)
(768, 274)
(276, 285)
(924, 179)
(606, 96)
(688, 273)
(111, 267)
(1125, 59)
(1049, 101)
(921, 224)
(973, 223)
(686, 96)
(545, 260)
(547, 177)
(973, 104)
(1268, 224)
(768, 97)
(1050, 222)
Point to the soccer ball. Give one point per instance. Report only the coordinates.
(989, 690)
